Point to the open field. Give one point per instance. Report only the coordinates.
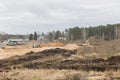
(69, 62)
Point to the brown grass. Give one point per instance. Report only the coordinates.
(103, 49)
(51, 74)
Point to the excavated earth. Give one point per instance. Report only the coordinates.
(58, 59)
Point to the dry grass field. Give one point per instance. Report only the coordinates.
(52, 74)
(57, 63)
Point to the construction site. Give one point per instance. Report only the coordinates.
(59, 40)
(66, 61)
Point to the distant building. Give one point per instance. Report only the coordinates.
(62, 38)
(17, 40)
(42, 39)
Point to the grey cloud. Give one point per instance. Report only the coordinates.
(17, 16)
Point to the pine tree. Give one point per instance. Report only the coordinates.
(35, 36)
(31, 37)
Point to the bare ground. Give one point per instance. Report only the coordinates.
(10, 51)
(97, 62)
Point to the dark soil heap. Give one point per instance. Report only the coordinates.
(57, 59)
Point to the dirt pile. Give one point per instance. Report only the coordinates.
(37, 57)
(53, 44)
(58, 59)
(71, 46)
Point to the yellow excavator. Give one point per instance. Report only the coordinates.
(87, 43)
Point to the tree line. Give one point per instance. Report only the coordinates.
(104, 32)
(101, 32)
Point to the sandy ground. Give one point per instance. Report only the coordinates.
(10, 51)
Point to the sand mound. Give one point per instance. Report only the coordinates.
(53, 44)
(71, 46)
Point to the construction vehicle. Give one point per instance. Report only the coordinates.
(11, 43)
(87, 43)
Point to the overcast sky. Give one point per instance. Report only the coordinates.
(26, 16)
